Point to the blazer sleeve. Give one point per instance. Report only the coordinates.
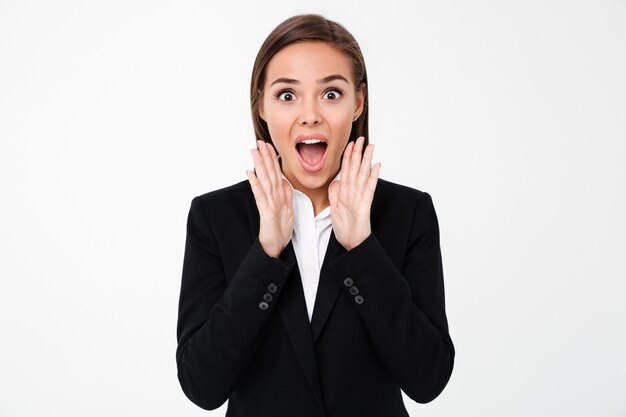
(220, 325)
(404, 310)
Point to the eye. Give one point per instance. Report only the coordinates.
(333, 94)
(285, 95)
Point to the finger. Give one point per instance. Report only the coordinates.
(333, 191)
(366, 166)
(355, 160)
(267, 160)
(288, 195)
(345, 160)
(345, 166)
(275, 164)
(277, 171)
(257, 190)
(261, 173)
(372, 180)
(350, 186)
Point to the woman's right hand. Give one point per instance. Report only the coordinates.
(273, 197)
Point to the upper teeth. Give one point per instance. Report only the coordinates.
(311, 141)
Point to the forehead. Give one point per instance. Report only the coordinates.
(308, 62)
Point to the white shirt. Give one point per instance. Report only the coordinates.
(309, 239)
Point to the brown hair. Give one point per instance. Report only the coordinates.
(302, 28)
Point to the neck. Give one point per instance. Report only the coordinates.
(318, 196)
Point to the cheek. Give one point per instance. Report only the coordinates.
(276, 118)
(340, 122)
(279, 123)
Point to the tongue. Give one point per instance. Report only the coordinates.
(312, 154)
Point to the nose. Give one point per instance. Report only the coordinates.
(310, 113)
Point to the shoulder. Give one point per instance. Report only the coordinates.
(400, 206)
(391, 192)
(400, 216)
(404, 209)
(226, 203)
(234, 193)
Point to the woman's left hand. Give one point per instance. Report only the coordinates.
(351, 196)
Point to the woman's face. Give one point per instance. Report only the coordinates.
(309, 95)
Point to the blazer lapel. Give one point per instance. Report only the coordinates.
(327, 288)
(293, 311)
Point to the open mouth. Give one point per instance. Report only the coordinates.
(312, 151)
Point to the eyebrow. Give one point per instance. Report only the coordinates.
(321, 81)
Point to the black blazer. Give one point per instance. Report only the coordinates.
(379, 323)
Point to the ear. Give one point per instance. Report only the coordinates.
(359, 101)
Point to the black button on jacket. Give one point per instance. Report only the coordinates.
(354, 357)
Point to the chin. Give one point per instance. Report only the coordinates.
(313, 181)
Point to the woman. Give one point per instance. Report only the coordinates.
(314, 288)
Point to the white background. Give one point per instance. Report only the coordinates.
(114, 115)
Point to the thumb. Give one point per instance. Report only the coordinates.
(333, 191)
(288, 194)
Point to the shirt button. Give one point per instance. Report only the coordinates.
(263, 305)
(268, 297)
(348, 282)
(354, 290)
(359, 299)
(272, 288)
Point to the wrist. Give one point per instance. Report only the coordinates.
(357, 242)
(271, 249)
